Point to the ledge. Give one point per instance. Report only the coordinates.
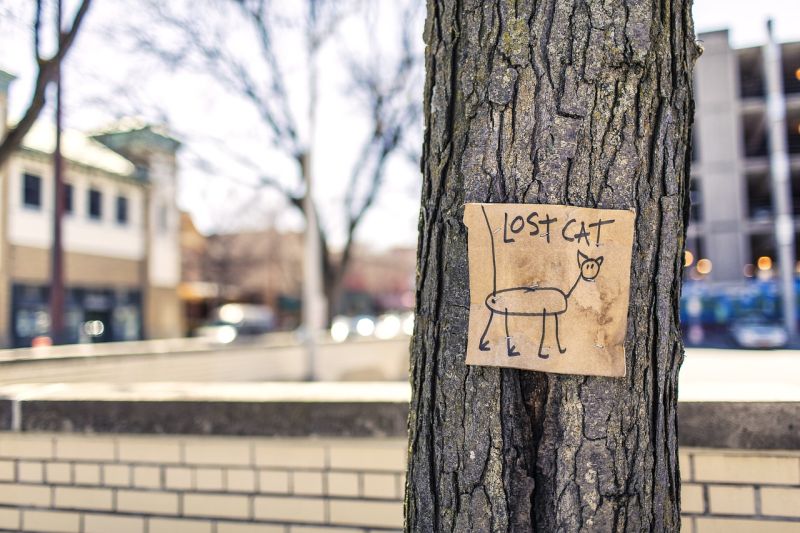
(134, 349)
(741, 425)
(324, 410)
(263, 409)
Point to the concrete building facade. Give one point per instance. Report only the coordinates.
(120, 235)
(732, 222)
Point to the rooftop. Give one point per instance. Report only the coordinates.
(5, 80)
(131, 132)
(77, 147)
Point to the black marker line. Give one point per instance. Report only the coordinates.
(494, 261)
(483, 344)
(541, 340)
(511, 350)
(558, 341)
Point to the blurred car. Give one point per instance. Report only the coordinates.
(234, 321)
(758, 332)
(344, 327)
(384, 327)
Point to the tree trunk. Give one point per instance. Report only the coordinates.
(333, 293)
(584, 103)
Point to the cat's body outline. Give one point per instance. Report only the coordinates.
(524, 301)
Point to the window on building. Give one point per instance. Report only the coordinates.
(793, 132)
(696, 201)
(755, 132)
(122, 210)
(32, 191)
(795, 180)
(751, 73)
(790, 53)
(762, 251)
(694, 252)
(696, 247)
(759, 196)
(68, 199)
(95, 204)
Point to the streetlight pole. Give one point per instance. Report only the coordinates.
(313, 298)
(314, 304)
(779, 173)
(57, 253)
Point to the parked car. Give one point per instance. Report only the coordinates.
(234, 321)
(346, 327)
(758, 332)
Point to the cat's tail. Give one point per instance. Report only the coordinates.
(494, 260)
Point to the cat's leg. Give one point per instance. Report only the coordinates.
(511, 350)
(541, 341)
(483, 344)
(558, 341)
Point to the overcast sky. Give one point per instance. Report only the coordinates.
(193, 108)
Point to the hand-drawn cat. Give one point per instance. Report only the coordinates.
(533, 301)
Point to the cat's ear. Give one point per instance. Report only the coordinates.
(599, 260)
(582, 257)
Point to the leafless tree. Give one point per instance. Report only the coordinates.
(47, 68)
(385, 87)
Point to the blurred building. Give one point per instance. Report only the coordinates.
(121, 250)
(266, 267)
(379, 281)
(732, 221)
(257, 267)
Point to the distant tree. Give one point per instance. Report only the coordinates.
(555, 102)
(207, 37)
(47, 68)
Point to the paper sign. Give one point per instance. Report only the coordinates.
(549, 287)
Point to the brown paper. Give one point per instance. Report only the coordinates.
(549, 287)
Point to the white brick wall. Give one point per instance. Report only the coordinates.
(153, 484)
(737, 491)
(158, 484)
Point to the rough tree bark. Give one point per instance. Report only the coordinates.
(586, 103)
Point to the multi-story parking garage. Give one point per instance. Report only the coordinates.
(732, 218)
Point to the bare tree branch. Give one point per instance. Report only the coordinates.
(385, 85)
(37, 31)
(202, 162)
(262, 25)
(392, 115)
(47, 69)
(272, 104)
